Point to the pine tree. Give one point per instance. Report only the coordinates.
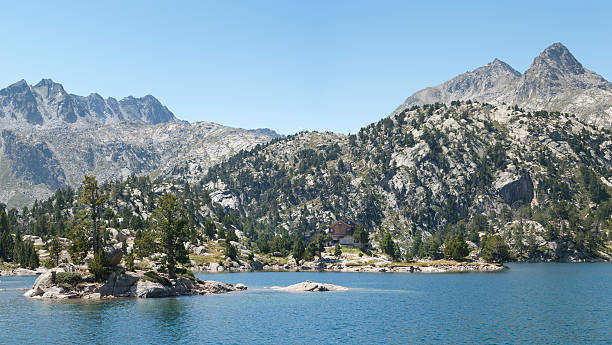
(299, 249)
(230, 251)
(6, 240)
(362, 236)
(495, 249)
(387, 245)
(337, 250)
(55, 248)
(93, 200)
(80, 244)
(171, 227)
(455, 247)
(33, 260)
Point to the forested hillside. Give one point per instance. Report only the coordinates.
(539, 179)
(426, 176)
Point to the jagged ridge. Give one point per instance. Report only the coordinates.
(555, 81)
(47, 104)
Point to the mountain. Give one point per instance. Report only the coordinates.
(267, 131)
(555, 81)
(49, 139)
(47, 105)
(541, 180)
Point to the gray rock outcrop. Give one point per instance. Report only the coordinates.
(49, 139)
(112, 255)
(128, 284)
(515, 189)
(309, 286)
(256, 265)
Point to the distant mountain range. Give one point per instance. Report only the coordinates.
(555, 81)
(49, 139)
(47, 104)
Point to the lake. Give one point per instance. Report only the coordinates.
(530, 303)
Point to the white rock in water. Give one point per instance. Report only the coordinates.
(309, 286)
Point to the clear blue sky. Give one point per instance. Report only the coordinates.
(286, 65)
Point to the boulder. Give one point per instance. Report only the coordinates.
(117, 235)
(44, 280)
(89, 288)
(68, 267)
(183, 286)
(53, 292)
(124, 284)
(321, 266)
(241, 286)
(213, 287)
(257, 265)
(24, 272)
(119, 285)
(149, 289)
(201, 250)
(309, 286)
(215, 267)
(112, 255)
(34, 292)
(93, 296)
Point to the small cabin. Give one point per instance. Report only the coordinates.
(342, 232)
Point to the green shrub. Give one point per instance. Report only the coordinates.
(153, 276)
(183, 272)
(70, 278)
(48, 263)
(97, 266)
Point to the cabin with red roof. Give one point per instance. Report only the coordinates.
(342, 232)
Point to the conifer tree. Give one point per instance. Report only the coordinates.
(93, 200)
(337, 250)
(299, 249)
(55, 249)
(171, 227)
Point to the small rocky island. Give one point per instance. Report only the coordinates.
(75, 282)
(309, 286)
(70, 285)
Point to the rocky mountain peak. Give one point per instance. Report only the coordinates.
(554, 61)
(555, 81)
(497, 64)
(48, 105)
(47, 88)
(18, 86)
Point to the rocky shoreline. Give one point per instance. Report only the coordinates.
(330, 265)
(55, 285)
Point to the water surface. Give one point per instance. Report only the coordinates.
(530, 303)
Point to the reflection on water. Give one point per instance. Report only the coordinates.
(531, 303)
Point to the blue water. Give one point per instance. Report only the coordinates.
(530, 303)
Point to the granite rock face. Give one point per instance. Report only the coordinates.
(49, 139)
(47, 105)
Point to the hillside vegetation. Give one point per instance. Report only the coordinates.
(427, 179)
